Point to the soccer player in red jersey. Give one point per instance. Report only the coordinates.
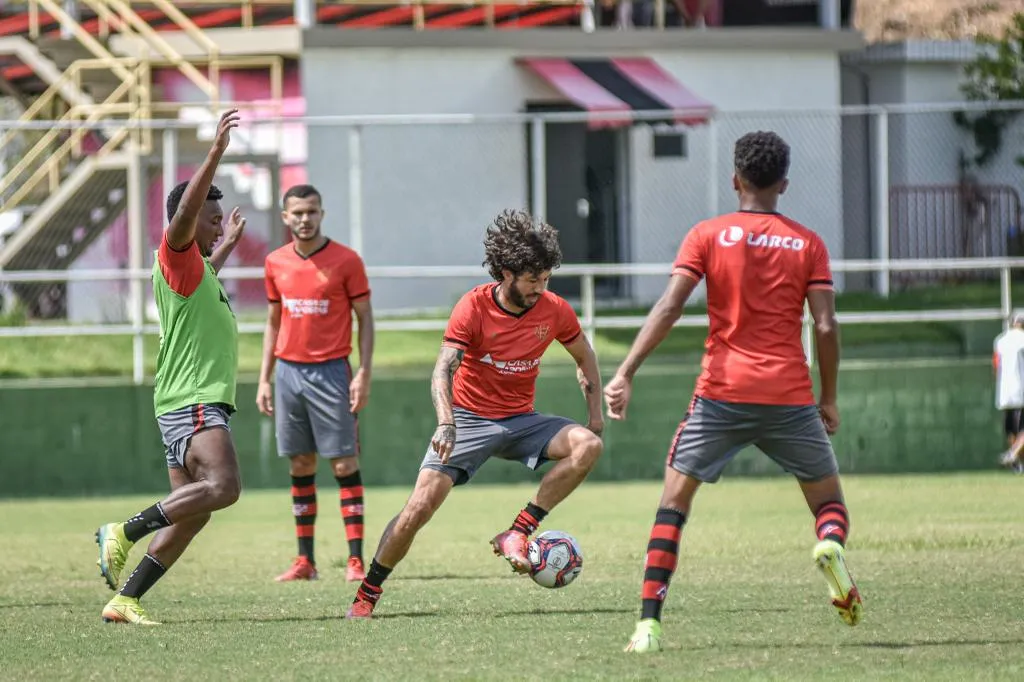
(483, 392)
(755, 387)
(314, 285)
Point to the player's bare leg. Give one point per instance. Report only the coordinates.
(662, 557)
(350, 494)
(575, 450)
(164, 550)
(214, 484)
(432, 487)
(832, 525)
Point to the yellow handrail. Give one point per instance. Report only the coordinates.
(50, 167)
(83, 36)
(162, 46)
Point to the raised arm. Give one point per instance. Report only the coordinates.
(182, 230)
(589, 375)
(448, 361)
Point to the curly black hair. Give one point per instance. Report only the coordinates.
(761, 159)
(174, 198)
(515, 242)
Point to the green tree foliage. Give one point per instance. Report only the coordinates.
(996, 74)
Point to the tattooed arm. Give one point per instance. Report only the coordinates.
(448, 360)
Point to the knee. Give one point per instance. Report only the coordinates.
(345, 466)
(302, 465)
(415, 515)
(225, 491)
(587, 449)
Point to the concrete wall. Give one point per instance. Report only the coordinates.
(429, 191)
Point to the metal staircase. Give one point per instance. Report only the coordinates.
(67, 161)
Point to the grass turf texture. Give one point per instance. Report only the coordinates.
(937, 558)
(84, 356)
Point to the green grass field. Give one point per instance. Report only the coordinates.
(938, 559)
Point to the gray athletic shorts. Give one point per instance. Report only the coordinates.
(178, 427)
(311, 409)
(714, 431)
(521, 438)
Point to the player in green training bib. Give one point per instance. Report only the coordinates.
(194, 393)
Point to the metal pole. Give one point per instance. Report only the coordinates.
(170, 159)
(713, 167)
(828, 14)
(882, 202)
(136, 250)
(71, 9)
(538, 168)
(1006, 297)
(305, 13)
(588, 301)
(355, 189)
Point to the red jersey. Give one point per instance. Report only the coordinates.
(759, 268)
(498, 375)
(316, 294)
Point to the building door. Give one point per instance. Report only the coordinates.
(587, 199)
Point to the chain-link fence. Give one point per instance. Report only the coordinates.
(876, 183)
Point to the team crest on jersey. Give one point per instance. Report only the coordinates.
(541, 330)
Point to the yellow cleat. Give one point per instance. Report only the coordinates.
(830, 557)
(114, 548)
(126, 610)
(646, 638)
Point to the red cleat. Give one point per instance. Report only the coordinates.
(512, 546)
(361, 609)
(355, 571)
(301, 569)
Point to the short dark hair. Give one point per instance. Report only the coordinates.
(301, 192)
(761, 159)
(174, 198)
(517, 243)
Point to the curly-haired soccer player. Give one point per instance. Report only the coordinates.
(483, 392)
(755, 389)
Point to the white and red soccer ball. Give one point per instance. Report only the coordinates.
(555, 559)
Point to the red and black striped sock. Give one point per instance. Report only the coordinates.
(660, 564)
(528, 519)
(350, 495)
(832, 522)
(304, 510)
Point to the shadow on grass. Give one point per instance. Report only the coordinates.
(387, 615)
(38, 604)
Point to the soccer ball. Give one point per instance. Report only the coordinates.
(555, 559)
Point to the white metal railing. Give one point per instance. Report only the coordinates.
(591, 322)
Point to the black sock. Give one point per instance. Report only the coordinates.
(145, 522)
(371, 587)
(528, 519)
(143, 577)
